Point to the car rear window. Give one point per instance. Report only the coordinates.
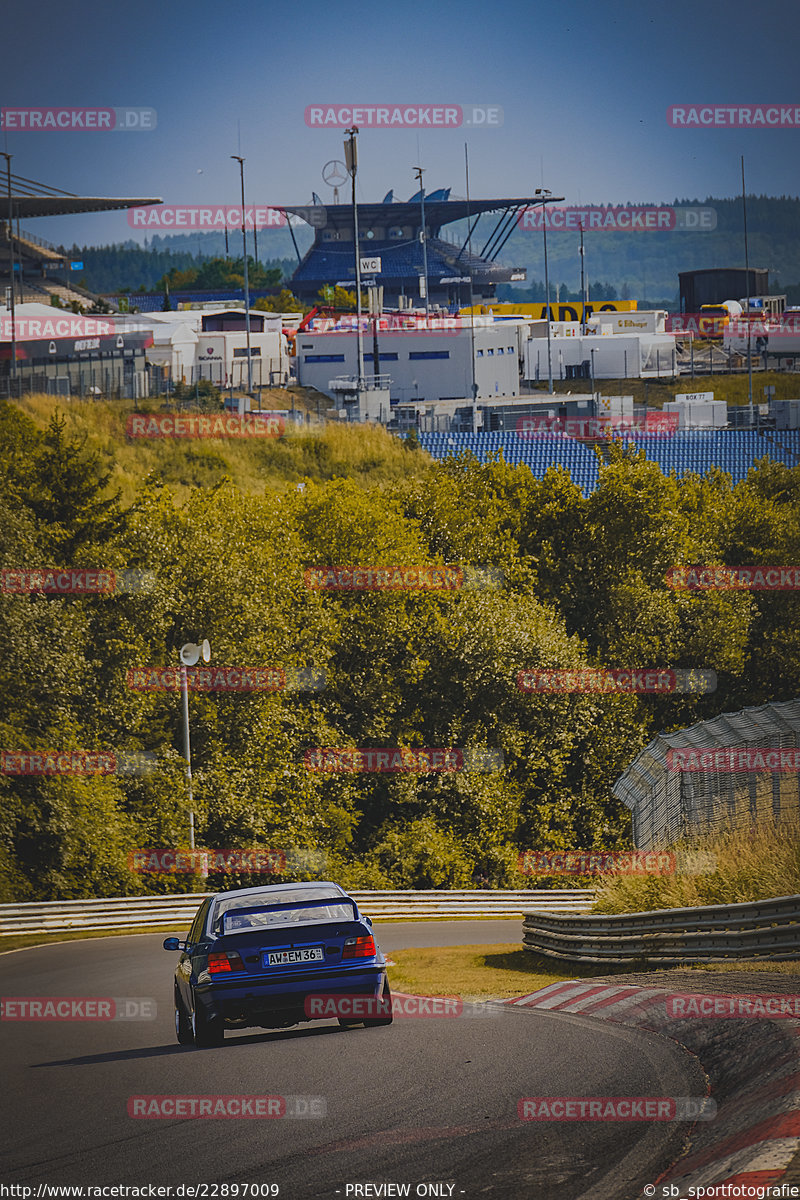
(233, 922)
(230, 917)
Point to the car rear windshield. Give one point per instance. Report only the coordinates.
(230, 918)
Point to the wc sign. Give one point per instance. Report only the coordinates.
(370, 266)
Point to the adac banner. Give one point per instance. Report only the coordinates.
(573, 311)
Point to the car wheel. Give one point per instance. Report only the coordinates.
(386, 998)
(183, 1026)
(208, 1031)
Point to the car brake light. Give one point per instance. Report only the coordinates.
(219, 962)
(359, 947)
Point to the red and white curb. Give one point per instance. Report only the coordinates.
(757, 1130)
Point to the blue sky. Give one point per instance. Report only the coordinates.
(584, 87)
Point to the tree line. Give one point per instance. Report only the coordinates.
(582, 582)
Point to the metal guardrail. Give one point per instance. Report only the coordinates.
(154, 912)
(763, 929)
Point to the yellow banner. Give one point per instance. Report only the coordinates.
(569, 310)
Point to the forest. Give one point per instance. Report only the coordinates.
(574, 582)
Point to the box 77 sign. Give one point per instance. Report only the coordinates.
(370, 266)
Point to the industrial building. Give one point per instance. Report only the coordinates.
(424, 363)
(717, 284)
(211, 343)
(615, 346)
(45, 349)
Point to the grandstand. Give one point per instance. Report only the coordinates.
(391, 231)
(732, 450)
(42, 270)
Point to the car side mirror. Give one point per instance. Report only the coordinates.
(368, 921)
(173, 943)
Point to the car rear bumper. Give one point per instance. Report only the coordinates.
(249, 1001)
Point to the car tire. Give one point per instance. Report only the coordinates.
(372, 1022)
(208, 1031)
(183, 1026)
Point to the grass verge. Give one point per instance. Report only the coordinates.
(503, 971)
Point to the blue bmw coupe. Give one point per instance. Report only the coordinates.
(263, 956)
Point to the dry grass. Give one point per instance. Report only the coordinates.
(365, 453)
(752, 863)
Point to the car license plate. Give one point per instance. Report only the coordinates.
(281, 958)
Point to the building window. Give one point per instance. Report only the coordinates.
(510, 349)
(323, 358)
(479, 354)
(500, 350)
(415, 355)
(241, 352)
(390, 356)
(490, 353)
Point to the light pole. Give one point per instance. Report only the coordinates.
(419, 173)
(240, 161)
(747, 315)
(190, 654)
(594, 397)
(8, 157)
(545, 195)
(471, 291)
(351, 161)
(584, 296)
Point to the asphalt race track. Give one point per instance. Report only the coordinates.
(422, 1101)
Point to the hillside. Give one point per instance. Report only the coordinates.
(364, 453)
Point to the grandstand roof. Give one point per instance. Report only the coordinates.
(26, 207)
(32, 199)
(437, 212)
